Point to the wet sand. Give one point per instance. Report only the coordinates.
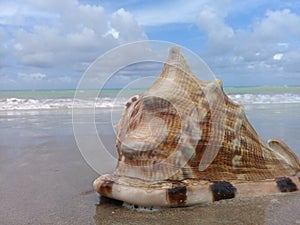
(45, 180)
(279, 209)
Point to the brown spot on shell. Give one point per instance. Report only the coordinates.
(176, 195)
(127, 104)
(222, 190)
(134, 98)
(285, 184)
(106, 187)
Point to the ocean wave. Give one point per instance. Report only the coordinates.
(67, 103)
(285, 98)
(109, 102)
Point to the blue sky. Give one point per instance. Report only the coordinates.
(49, 44)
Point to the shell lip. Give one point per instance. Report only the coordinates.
(186, 192)
(143, 193)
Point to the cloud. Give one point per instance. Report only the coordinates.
(220, 35)
(32, 76)
(134, 72)
(128, 29)
(266, 48)
(60, 35)
(113, 32)
(3, 50)
(166, 12)
(65, 79)
(79, 35)
(277, 25)
(278, 56)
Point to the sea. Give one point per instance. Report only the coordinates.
(109, 98)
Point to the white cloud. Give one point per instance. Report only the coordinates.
(65, 79)
(81, 37)
(3, 50)
(32, 76)
(128, 29)
(74, 33)
(278, 56)
(256, 50)
(177, 11)
(278, 25)
(220, 35)
(57, 37)
(113, 32)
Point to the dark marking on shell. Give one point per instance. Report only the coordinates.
(127, 104)
(106, 188)
(285, 184)
(222, 190)
(134, 98)
(177, 195)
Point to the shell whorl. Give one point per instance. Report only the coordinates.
(183, 129)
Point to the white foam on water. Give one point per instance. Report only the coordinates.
(110, 102)
(67, 103)
(285, 98)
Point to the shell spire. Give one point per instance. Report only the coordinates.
(177, 60)
(186, 134)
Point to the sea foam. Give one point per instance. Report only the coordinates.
(111, 102)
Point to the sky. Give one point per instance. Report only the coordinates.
(49, 44)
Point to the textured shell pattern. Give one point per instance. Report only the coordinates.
(184, 129)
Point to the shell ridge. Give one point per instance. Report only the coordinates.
(285, 152)
(186, 131)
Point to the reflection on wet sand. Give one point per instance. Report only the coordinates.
(277, 209)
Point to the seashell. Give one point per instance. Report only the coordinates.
(184, 142)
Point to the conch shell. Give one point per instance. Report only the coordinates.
(184, 142)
